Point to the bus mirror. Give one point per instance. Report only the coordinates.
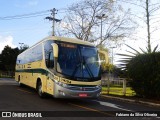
(55, 49)
(105, 54)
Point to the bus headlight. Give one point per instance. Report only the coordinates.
(62, 84)
(98, 86)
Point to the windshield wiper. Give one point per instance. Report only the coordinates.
(75, 70)
(78, 65)
(82, 63)
(88, 69)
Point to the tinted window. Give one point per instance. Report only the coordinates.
(78, 60)
(34, 54)
(48, 50)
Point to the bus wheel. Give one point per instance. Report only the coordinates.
(39, 89)
(19, 82)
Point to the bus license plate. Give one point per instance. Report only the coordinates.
(82, 95)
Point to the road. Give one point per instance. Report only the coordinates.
(24, 99)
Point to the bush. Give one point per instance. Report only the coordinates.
(144, 70)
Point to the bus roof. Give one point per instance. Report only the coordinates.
(64, 39)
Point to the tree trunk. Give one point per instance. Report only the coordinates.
(148, 27)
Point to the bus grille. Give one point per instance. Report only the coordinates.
(82, 88)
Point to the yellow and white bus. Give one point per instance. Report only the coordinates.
(61, 67)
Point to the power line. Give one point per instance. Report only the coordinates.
(31, 15)
(35, 14)
(24, 17)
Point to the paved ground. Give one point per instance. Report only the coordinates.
(24, 99)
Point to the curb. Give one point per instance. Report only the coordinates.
(129, 100)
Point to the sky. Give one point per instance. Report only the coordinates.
(31, 30)
(138, 39)
(28, 30)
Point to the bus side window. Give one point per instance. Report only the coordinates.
(50, 60)
(48, 50)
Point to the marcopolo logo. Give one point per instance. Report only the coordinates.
(6, 114)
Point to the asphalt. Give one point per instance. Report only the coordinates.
(10, 81)
(14, 98)
(138, 101)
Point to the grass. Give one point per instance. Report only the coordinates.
(118, 90)
(5, 76)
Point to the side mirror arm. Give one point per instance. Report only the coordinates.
(55, 54)
(105, 54)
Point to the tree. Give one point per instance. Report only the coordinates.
(144, 72)
(8, 58)
(1, 63)
(148, 10)
(23, 48)
(82, 21)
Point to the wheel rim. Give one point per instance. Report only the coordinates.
(40, 89)
(19, 83)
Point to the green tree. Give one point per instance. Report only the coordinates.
(144, 72)
(1, 63)
(23, 48)
(8, 58)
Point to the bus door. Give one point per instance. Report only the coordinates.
(50, 65)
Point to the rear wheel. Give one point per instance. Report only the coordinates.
(39, 89)
(19, 82)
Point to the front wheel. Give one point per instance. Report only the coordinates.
(39, 90)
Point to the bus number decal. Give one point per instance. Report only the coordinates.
(65, 81)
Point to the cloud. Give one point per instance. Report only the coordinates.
(33, 3)
(6, 40)
(29, 3)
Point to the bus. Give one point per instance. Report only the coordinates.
(62, 67)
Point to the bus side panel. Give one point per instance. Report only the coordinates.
(29, 79)
(23, 78)
(47, 84)
(50, 86)
(34, 77)
(43, 80)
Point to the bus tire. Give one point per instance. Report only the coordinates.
(39, 89)
(19, 82)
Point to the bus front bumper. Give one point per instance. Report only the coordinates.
(77, 92)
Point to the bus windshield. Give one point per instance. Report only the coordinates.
(78, 61)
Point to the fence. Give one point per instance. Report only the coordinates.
(5, 74)
(117, 86)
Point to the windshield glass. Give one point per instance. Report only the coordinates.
(78, 61)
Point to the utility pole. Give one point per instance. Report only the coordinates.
(53, 19)
(21, 47)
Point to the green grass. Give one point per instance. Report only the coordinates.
(118, 90)
(4, 76)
